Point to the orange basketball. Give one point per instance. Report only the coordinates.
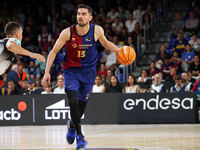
(126, 55)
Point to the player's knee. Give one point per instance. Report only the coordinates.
(72, 96)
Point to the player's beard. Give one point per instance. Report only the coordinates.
(82, 24)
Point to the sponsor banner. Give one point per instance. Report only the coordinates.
(107, 108)
(158, 108)
(16, 110)
(51, 109)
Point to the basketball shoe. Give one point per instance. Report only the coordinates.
(71, 133)
(81, 142)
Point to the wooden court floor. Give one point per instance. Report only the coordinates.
(112, 137)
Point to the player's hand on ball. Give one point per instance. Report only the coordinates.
(38, 57)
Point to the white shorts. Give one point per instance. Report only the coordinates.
(4, 66)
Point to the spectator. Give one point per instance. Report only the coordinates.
(179, 44)
(187, 58)
(113, 85)
(38, 84)
(138, 31)
(188, 85)
(56, 35)
(61, 86)
(153, 70)
(176, 60)
(102, 72)
(178, 87)
(196, 87)
(52, 17)
(63, 20)
(172, 74)
(144, 76)
(31, 88)
(30, 40)
(191, 25)
(32, 72)
(131, 86)
(44, 40)
(165, 68)
(150, 11)
(130, 23)
(109, 74)
(123, 36)
(191, 79)
(48, 89)
(130, 42)
(195, 44)
(101, 16)
(162, 76)
(68, 6)
(116, 42)
(157, 86)
(98, 87)
(11, 90)
(160, 56)
(109, 58)
(21, 73)
(117, 26)
(146, 22)
(13, 76)
(32, 24)
(3, 80)
(123, 14)
(111, 15)
(42, 65)
(40, 17)
(138, 13)
(108, 31)
(195, 66)
(25, 86)
(177, 26)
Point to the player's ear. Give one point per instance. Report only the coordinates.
(90, 17)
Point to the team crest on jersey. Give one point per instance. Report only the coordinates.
(87, 39)
(74, 45)
(73, 39)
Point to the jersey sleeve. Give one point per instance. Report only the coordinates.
(16, 41)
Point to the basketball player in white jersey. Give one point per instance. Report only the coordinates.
(11, 45)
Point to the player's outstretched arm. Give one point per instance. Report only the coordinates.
(99, 33)
(63, 38)
(11, 46)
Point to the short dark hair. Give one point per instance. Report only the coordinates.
(178, 77)
(11, 81)
(90, 10)
(11, 28)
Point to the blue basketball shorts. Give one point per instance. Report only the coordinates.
(80, 79)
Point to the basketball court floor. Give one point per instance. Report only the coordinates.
(103, 137)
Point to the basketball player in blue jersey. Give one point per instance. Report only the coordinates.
(11, 45)
(79, 68)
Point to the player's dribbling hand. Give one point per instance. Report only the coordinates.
(38, 57)
(46, 78)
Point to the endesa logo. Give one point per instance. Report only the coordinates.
(57, 111)
(12, 114)
(157, 103)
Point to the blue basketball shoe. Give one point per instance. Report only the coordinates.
(71, 133)
(81, 142)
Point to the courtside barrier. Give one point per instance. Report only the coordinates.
(107, 108)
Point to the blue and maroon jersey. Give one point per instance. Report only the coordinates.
(80, 50)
